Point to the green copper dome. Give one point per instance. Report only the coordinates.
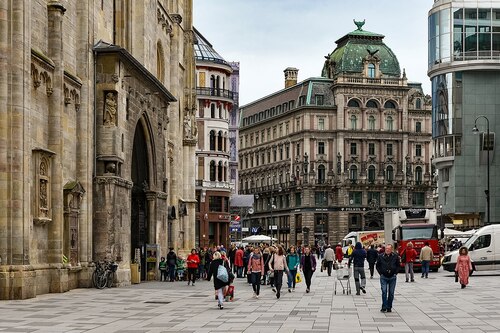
(354, 48)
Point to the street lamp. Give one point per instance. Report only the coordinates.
(475, 130)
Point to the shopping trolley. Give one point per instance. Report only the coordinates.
(343, 277)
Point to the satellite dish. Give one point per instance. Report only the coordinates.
(250, 210)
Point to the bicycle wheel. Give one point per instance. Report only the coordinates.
(95, 278)
(102, 281)
(111, 279)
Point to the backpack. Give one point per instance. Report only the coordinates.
(222, 274)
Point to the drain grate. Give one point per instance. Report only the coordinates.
(157, 302)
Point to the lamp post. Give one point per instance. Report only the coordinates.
(441, 216)
(475, 130)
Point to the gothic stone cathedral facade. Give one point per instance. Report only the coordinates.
(97, 138)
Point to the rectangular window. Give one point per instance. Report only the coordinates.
(320, 99)
(297, 124)
(215, 204)
(321, 148)
(353, 148)
(320, 198)
(418, 199)
(418, 150)
(298, 199)
(287, 152)
(321, 124)
(291, 104)
(444, 174)
(389, 149)
(391, 199)
(297, 150)
(302, 100)
(373, 199)
(257, 139)
(287, 128)
(371, 148)
(355, 198)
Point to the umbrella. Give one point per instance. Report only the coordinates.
(258, 239)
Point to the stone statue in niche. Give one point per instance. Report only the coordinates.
(187, 128)
(339, 163)
(110, 109)
(43, 194)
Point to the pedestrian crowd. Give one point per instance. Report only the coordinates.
(266, 265)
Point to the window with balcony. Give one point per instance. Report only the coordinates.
(321, 148)
(371, 174)
(418, 175)
(418, 103)
(353, 174)
(321, 174)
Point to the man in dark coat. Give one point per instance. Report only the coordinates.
(371, 257)
(388, 266)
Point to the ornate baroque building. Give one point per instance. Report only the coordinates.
(98, 135)
(327, 155)
(216, 151)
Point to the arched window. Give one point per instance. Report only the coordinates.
(371, 174)
(418, 175)
(353, 103)
(212, 110)
(371, 123)
(353, 173)
(220, 113)
(219, 141)
(389, 105)
(220, 170)
(321, 174)
(371, 70)
(354, 122)
(372, 104)
(212, 140)
(389, 176)
(212, 86)
(212, 171)
(418, 127)
(418, 103)
(389, 123)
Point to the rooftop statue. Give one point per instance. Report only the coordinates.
(359, 24)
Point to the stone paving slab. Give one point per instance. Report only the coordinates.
(436, 304)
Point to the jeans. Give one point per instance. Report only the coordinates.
(409, 270)
(359, 272)
(425, 268)
(171, 272)
(291, 278)
(239, 271)
(255, 276)
(388, 285)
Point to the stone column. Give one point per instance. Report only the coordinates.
(4, 128)
(55, 52)
(151, 198)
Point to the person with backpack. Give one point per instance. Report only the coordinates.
(371, 257)
(219, 283)
(358, 257)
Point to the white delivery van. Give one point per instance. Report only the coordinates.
(484, 250)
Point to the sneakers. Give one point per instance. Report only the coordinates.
(363, 290)
(307, 290)
(293, 289)
(257, 296)
(254, 295)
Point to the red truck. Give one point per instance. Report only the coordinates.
(418, 226)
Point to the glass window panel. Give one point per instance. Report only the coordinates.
(444, 21)
(484, 45)
(496, 45)
(445, 47)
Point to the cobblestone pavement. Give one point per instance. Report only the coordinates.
(436, 304)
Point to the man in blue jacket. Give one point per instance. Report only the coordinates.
(387, 266)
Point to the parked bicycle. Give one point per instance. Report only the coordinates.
(104, 274)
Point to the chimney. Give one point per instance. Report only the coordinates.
(290, 76)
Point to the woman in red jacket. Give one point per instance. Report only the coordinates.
(238, 262)
(192, 262)
(408, 256)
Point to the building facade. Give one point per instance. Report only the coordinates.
(216, 151)
(98, 138)
(464, 67)
(328, 155)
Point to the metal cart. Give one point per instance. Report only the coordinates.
(342, 277)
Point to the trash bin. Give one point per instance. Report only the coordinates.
(135, 273)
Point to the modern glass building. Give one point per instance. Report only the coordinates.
(464, 67)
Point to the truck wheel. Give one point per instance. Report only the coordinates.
(435, 269)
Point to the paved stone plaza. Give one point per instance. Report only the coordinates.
(429, 305)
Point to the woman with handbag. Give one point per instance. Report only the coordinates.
(277, 266)
(219, 285)
(463, 268)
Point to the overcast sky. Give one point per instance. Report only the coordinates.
(266, 36)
